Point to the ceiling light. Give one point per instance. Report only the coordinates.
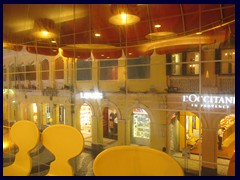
(124, 19)
(157, 26)
(160, 35)
(97, 35)
(44, 28)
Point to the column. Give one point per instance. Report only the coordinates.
(121, 132)
(68, 115)
(97, 135)
(209, 152)
(128, 132)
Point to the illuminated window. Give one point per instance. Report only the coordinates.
(228, 64)
(176, 69)
(192, 63)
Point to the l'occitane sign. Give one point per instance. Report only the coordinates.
(209, 101)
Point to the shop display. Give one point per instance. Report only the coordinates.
(141, 123)
(86, 119)
(227, 121)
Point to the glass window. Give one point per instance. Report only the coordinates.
(31, 72)
(84, 70)
(109, 70)
(192, 63)
(45, 69)
(138, 68)
(176, 67)
(228, 64)
(4, 74)
(20, 73)
(11, 72)
(59, 68)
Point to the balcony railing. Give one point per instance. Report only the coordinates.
(190, 84)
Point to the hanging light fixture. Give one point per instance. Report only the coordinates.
(124, 15)
(44, 28)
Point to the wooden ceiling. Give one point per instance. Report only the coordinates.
(76, 25)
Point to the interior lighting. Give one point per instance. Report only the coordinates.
(124, 19)
(97, 35)
(157, 26)
(198, 33)
(60, 51)
(44, 28)
(5, 144)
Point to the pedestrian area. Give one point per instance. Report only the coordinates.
(83, 163)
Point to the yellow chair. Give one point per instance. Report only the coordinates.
(231, 166)
(135, 161)
(25, 135)
(65, 142)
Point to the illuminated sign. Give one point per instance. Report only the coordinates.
(8, 91)
(208, 101)
(91, 95)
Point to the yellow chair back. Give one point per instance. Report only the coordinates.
(25, 135)
(65, 142)
(135, 161)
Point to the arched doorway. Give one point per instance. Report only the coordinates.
(110, 123)
(140, 127)
(185, 133)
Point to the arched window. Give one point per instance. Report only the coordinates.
(59, 68)
(45, 69)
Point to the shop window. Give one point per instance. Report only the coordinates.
(228, 61)
(30, 72)
(34, 110)
(45, 69)
(86, 119)
(48, 114)
(59, 68)
(140, 127)
(192, 63)
(138, 68)
(61, 114)
(84, 70)
(108, 70)
(176, 67)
